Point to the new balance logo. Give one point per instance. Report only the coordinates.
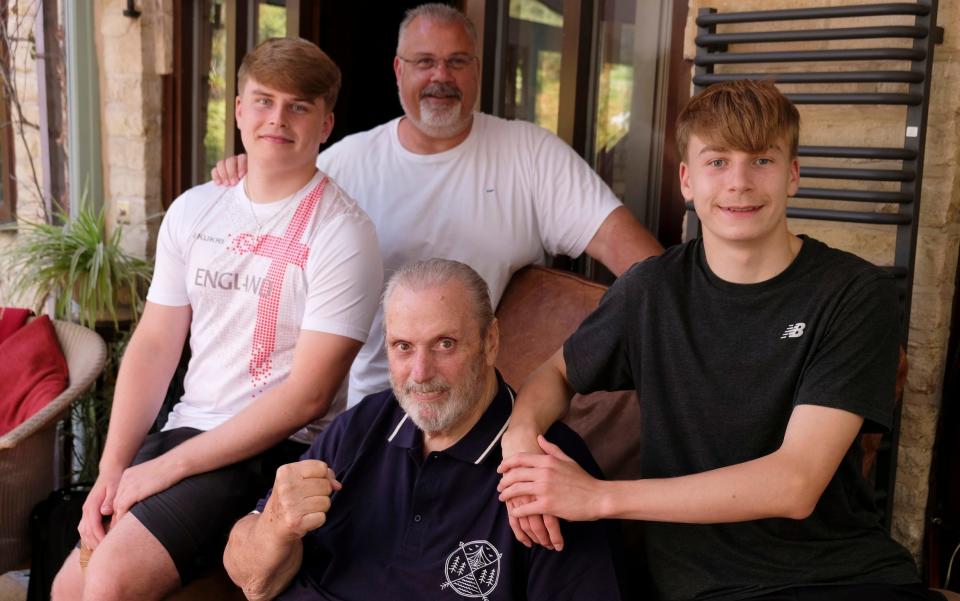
(794, 330)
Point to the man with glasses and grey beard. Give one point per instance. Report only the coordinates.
(398, 499)
(445, 181)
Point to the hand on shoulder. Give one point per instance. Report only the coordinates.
(229, 171)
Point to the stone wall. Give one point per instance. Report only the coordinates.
(26, 134)
(133, 55)
(939, 232)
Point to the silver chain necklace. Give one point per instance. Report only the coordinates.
(272, 219)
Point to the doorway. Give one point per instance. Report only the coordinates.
(212, 36)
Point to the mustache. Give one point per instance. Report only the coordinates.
(442, 89)
(426, 387)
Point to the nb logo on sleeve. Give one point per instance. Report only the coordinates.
(794, 330)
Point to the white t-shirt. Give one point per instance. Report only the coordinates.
(505, 197)
(254, 275)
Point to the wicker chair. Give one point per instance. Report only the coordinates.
(27, 451)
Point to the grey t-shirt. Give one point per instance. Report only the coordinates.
(718, 368)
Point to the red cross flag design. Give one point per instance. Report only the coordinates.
(282, 252)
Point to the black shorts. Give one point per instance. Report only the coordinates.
(193, 518)
(855, 592)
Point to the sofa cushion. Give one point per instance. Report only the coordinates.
(33, 371)
(11, 320)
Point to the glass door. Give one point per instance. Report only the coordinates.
(594, 72)
(210, 39)
(626, 145)
(533, 60)
(271, 19)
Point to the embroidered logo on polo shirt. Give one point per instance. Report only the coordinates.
(473, 569)
(794, 330)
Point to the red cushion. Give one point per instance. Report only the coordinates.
(33, 371)
(11, 320)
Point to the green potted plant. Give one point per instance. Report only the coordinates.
(90, 279)
(80, 266)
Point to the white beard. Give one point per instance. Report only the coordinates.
(441, 416)
(438, 122)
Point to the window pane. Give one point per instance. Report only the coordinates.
(614, 95)
(271, 20)
(626, 68)
(533, 59)
(212, 86)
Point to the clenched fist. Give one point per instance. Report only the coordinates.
(300, 499)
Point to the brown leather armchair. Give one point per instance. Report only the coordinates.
(540, 308)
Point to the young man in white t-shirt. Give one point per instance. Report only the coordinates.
(446, 181)
(277, 281)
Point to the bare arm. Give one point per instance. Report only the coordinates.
(621, 241)
(265, 550)
(787, 483)
(543, 399)
(148, 364)
(260, 565)
(320, 363)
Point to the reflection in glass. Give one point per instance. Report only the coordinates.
(624, 152)
(614, 96)
(211, 84)
(211, 87)
(271, 19)
(533, 60)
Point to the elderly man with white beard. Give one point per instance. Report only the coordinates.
(398, 499)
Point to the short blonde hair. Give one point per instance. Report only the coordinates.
(293, 66)
(747, 115)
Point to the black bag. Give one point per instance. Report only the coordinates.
(53, 534)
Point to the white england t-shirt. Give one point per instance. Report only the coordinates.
(254, 275)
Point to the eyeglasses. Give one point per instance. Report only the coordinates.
(456, 62)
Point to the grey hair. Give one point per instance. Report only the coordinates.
(437, 272)
(438, 12)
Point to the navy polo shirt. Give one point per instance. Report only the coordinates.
(405, 527)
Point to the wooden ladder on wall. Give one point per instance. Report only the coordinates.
(713, 51)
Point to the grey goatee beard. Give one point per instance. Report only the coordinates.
(439, 122)
(441, 416)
